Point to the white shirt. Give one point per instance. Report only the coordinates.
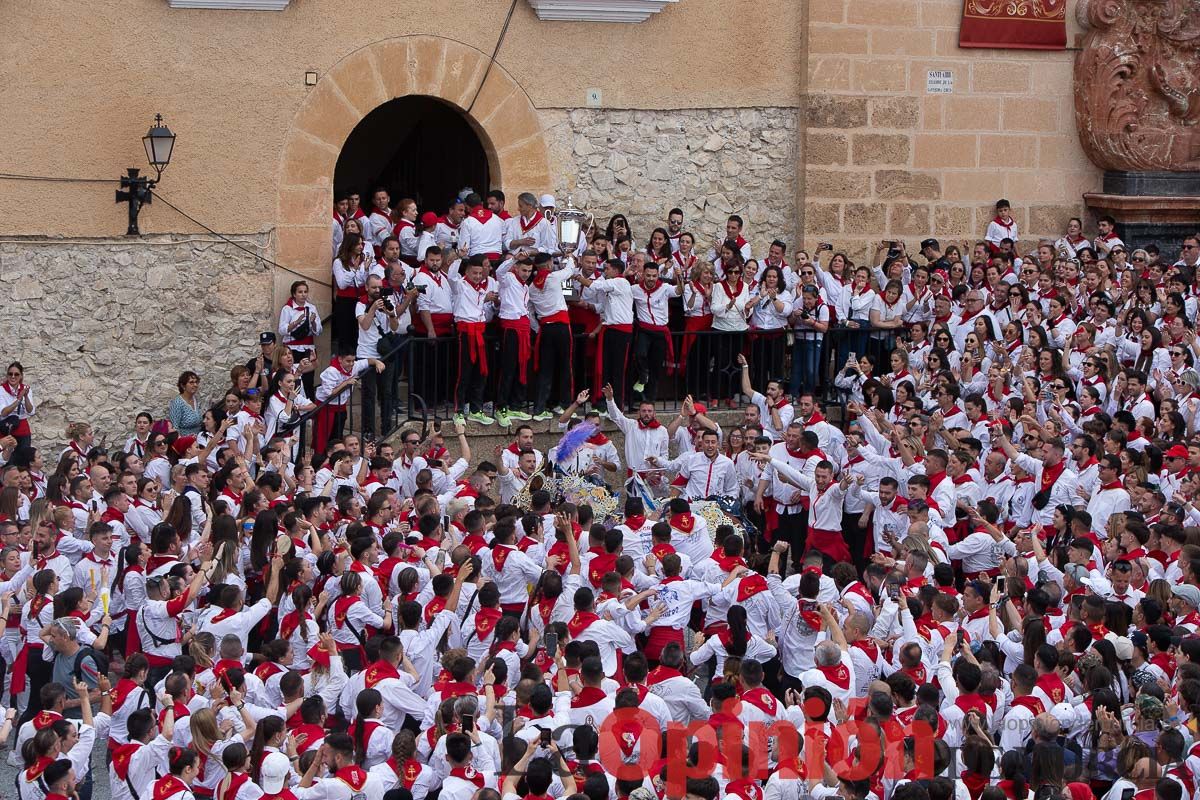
(639, 441)
(705, 477)
(651, 306)
(514, 295)
(287, 317)
(481, 232)
(766, 316)
(470, 304)
(438, 297)
(618, 306)
(536, 227)
(368, 340)
(549, 300)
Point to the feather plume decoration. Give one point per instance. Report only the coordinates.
(573, 439)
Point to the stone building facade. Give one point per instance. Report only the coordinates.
(813, 120)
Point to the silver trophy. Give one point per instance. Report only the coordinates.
(569, 222)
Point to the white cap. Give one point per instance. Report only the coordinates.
(547, 200)
(273, 773)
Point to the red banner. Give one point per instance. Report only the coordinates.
(1014, 24)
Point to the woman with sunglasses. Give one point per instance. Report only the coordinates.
(1016, 298)
(17, 404)
(729, 298)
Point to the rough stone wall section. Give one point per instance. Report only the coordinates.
(709, 162)
(105, 326)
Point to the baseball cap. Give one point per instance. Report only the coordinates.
(1122, 645)
(429, 219)
(266, 337)
(547, 200)
(1176, 451)
(930, 243)
(181, 445)
(273, 772)
(1188, 593)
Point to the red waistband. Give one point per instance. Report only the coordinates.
(560, 317)
(514, 607)
(519, 325)
(443, 324)
(656, 328)
(621, 328)
(307, 341)
(351, 291)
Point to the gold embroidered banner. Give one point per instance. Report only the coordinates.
(1015, 24)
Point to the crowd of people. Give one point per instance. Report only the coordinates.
(982, 584)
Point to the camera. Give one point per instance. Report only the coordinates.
(420, 289)
(385, 295)
(805, 314)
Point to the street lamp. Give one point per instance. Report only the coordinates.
(137, 190)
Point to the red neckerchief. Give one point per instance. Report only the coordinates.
(469, 774)
(684, 522)
(223, 615)
(407, 774)
(253, 415)
(482, 214)
(485, 622)
(761, 699)
(751, 585)
(597, 439)
(836, 674)
(379, 671)
(660, 674)
(649, 426)
(168, 786)
(353, 776)
(588, 696)
(500, 553)
(1053, 686)
(526, 227)
(580, 622)
(120, 693)
(1050, 475)
(436, 277)
(726, 562)
(730, 293)
(1031, 702)
(539, 278)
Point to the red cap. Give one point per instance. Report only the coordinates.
(429, 219)
(181, 445)
(700, 408)
(1176, 451)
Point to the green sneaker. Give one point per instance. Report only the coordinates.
(519, 416)
(638, 387)
(542, 416)
(502, 418)
(459, 419)
(558, 411)
(481, 418)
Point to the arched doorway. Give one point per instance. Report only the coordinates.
(414, 146)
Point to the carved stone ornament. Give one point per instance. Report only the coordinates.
(1137, 84)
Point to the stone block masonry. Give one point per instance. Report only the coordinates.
(709, 162)
(104, 326)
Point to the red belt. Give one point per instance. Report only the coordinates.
(987, 573)
(493, 257)
(665, 331)
(513, 607)
(521, 327)
(598, 383)
(557, 318)
(348, 292)
(829, 542)
(473, 332)
(443, 324)
(307, 341)
(659, 637)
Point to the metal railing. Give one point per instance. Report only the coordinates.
(702, 364)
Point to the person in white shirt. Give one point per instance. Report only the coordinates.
(553, 355)
(770, 305)
(474, 306)
(644, 436)
(1108, 238)
(299, 325)
(1110, 496)
(530, 229)
(653, 351)
(435, 320)
(481, 232)
(616, 330)
(377, 316)
(516, 347)
(380, 222)
(705, 473)
(774, 409)
(1002, 227)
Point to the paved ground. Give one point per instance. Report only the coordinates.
(100, 789)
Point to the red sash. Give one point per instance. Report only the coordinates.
(521, 328)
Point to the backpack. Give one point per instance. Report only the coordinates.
(98, 658)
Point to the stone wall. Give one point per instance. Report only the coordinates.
(709, 162)
(887, 159)
(104, 326)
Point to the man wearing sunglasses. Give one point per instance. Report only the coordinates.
(1189, 253)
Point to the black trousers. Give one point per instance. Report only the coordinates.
(433, 363)
(615, 368)
(856, 539)
(38, 672)
(344, 325)
(554, 366)
(377, 385)
(793, 529)
(511, 391)
(649, 356)
(471, 381)
(766, 359)
(728, 372)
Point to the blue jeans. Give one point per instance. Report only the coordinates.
(806, 365)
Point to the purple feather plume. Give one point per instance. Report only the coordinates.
(573, 439)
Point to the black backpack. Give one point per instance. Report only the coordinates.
(100, 660)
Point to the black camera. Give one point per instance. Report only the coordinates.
(805, 314)
(420, 288)
(385, 294)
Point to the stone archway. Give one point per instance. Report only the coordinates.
(502, 115)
